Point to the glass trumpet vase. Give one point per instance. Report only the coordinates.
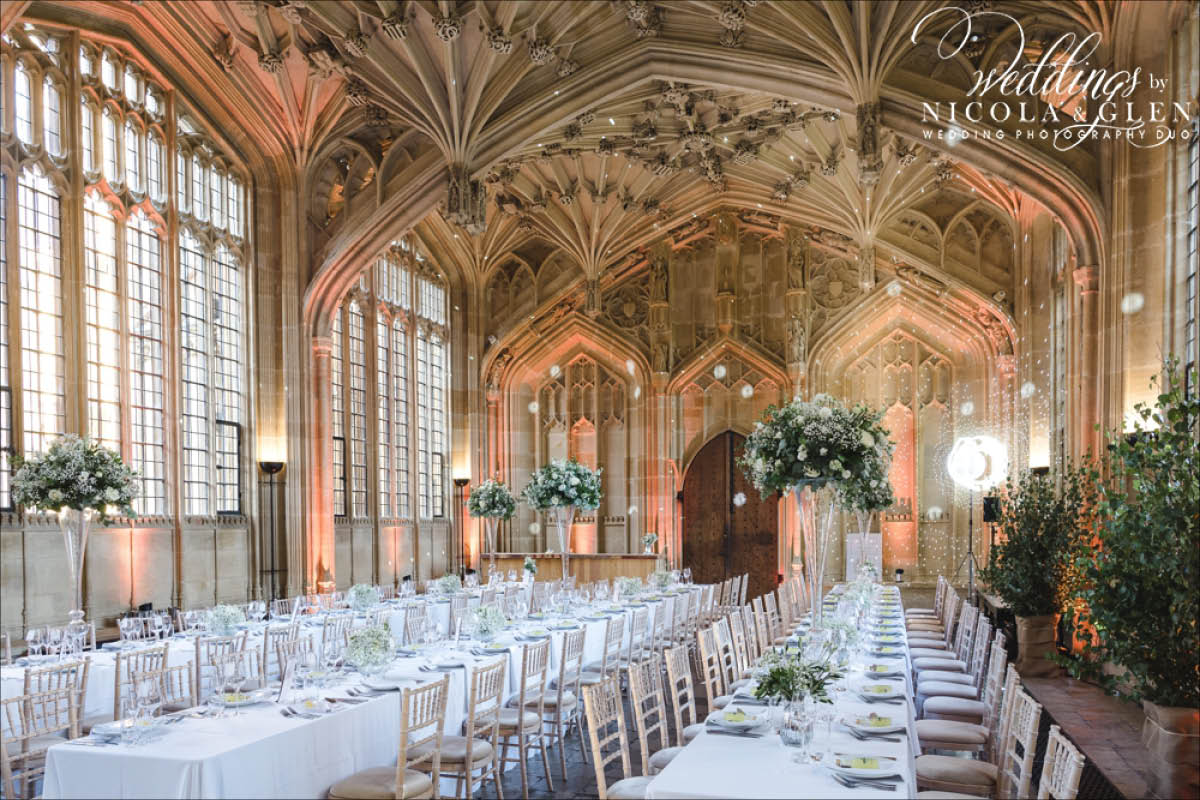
(490, 525)
(76, 525)
(816, 504)
(563, 517)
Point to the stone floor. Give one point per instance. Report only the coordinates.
(1106, 729)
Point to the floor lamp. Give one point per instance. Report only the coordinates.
(460, 499)
(976, 463)
(271, 468)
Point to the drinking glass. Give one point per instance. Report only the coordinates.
(54, 641)
(158, 626)
(822, 733)
(34, 638)
(512, 576)
(147, 692)
(687, 574)
(796, 732)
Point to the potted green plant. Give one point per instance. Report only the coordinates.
(1042, 521)
(1142, 580)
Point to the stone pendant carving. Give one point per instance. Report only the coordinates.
(466, 201)
(870, 158)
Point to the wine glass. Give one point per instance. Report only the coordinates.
(34, 638)
(512, 576)
(147, 691)
(54, 641)
(157, 626)
(687, 575)
(796, 731)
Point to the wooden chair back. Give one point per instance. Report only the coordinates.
(606, 730)
(422, 716)
(146, 659)
(710, 663)
(647, 706)
(680, 690)
(1016, 755)
(1061, 769)
(29, 725)
(70, 675)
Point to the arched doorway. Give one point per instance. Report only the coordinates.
(721, 539)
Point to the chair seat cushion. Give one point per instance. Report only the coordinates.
(379, 783)
(932, 689)
(568, 700)
(955, 708)
(692, 731)
(936, 639)
(740, 683)
(454, 750)
(919, 612)
(949, 665)
(941, 732)
(930, 652)
(659, 760)
(629, 789)
(509, 717)
(967, 773)
(930, 675)
(721, 702)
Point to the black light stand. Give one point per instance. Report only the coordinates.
(271, 468)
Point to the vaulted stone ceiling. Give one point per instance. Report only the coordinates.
(570, 122)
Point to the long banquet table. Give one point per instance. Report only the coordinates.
(717, 766)
(261, 753)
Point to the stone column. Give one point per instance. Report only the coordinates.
(1087, 370)
(320, 542)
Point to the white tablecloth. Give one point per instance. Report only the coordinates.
(263, 754)
(716, 766)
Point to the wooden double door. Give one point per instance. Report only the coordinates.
(721, 538)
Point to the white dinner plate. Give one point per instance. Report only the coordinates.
(874, 723)
(884, 671)
(864, 766)
(240, 699)
(878, 691)
(384, 684)
(113, 730)
(752, 717)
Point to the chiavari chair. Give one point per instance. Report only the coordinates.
(334, 631)
(939, 595)
(752, 645)
(210, 650)
(957, 659)
(614, 635)
(959, 709)
(487, 596)
(29, 726)
(125, 663)
(761, 626)
(178, 686)
(737, 629)
(478, 749)
(949, 734)
(682, 694)
(1009, 773)
(458, 609)
(964, 684)
(272, 636)
(70, 675)
(290, 651)
(775, 632)
(710, 669)
(609, 741)
(649, 710)
(745, 585)
(422, 715)
(635, 651)
(416, 619)
(281, 607)
(1061, 768)
(727, 657)
(5, 648)
(521, 723)
(562, 704)
(539, 597)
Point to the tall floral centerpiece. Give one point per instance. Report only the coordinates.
(83, 482)
(830, 456)
(491, 501)
(866, 493)
(559, 488)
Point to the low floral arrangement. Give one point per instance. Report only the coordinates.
(363, 597)
(491, 499)
(628, 587)
(489, 621)
(448, 584)
(530, 566)
(792, 678)
(821, 442)
(224, 619)
(75, 473)
(842, 634)
(563, 483)
(649, 540)
(661, 578)
(370, 647)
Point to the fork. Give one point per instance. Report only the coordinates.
(871, 737)
(854, 783)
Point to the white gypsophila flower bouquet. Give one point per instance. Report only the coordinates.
(628, 587)
(563, 483)
(223, 619)
(448, 584)
(530, 566)
(491, 499)
(489, 621)
(369, 648)
(362, 597)
(821, 442)
(661, 578)
(75, 472)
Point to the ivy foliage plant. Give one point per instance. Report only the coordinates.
(1043, 520)
(1142, 572)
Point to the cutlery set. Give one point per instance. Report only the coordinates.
(872, 737)
(889, 784)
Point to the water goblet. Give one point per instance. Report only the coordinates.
(796, 732)
(687, 574)
(512, 576)
(34, 638)
(54, 641)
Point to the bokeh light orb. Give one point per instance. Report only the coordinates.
(747, 391)
(555, 370)
(1133, 302)
(967, 409)
(533, 407)
(1028, 390)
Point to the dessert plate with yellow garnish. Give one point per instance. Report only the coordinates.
(865, 766)
(873, 724)
(734, 718)
(878, 691)
(884, 671)
(239, 699)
